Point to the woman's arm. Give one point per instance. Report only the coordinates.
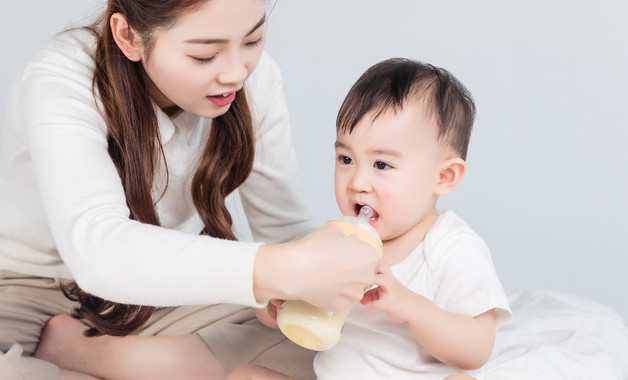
(268, 315)
(326, 269)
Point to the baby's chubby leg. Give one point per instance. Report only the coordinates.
(131, 357)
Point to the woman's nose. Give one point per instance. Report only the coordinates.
(234, 69)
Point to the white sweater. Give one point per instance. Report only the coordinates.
(62, 207)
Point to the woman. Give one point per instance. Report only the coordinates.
(119, 146)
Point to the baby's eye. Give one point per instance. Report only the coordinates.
(345, 160)
(381, 165)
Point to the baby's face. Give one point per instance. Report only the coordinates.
(392, 164)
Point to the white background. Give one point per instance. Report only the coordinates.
(546, 185)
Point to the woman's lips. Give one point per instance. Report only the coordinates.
(223, 99)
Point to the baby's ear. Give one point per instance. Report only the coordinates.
(451, 174)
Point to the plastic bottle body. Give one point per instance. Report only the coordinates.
(310, 326)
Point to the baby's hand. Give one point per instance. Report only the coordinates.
(390, 296)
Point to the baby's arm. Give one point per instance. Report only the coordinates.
(459, 340)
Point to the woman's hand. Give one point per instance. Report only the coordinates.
(326, 269)
(268, 315)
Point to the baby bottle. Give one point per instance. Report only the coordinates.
(315, 328)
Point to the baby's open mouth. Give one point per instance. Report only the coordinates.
(357, 207)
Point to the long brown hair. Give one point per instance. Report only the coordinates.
(135, 148)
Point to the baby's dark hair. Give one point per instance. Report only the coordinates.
(391, 83)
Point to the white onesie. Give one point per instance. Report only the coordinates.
(453, 268)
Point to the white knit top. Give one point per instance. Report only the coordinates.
(62, 207)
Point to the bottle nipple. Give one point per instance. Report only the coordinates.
(365, 213)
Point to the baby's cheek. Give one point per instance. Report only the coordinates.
(390, 201)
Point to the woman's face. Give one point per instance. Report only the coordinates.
(203, 60)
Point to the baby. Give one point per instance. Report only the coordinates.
(402, 138)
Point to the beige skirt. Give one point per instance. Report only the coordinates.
(231, 332)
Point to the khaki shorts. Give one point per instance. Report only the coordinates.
(232, 332)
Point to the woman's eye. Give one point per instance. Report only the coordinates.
(345, 160)
(381, 165)
(203, 60)
(255, 43)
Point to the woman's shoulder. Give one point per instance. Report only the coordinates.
(266, 76)
(264, 88)
(75, 40)
(69, 53)
(57, 82)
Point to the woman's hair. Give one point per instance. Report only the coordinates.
(390, 84)
(135, 148)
